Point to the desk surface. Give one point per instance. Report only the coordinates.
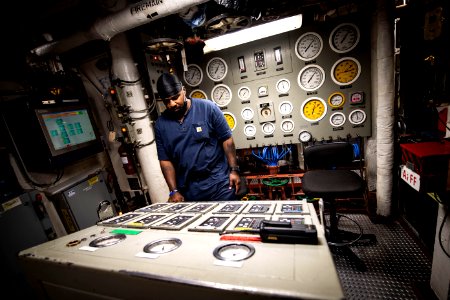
(275, 271)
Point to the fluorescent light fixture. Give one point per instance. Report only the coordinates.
(253, 33)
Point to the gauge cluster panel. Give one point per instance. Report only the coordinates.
(310, 84)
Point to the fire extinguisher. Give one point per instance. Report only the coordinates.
(127, 161)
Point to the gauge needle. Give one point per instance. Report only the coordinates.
(344, 37)
(311, 77)
(306, 50)
(217, 69)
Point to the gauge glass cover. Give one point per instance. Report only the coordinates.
(234, 252)
(198, 94)
(247, 113)
(357, 117)
(311, 77)
(221, 95)
(244, 93)
(344, 37)
(337, 119)
(336, 100)
(313, 109)
(250, 130)
(285, 107)
(287, 125)
(283, 85)
(308, 46)
(345, 71)
(304, 136)
(216, 69)
(162, 246)
(231, 120)
(268, 128)
(194, 75)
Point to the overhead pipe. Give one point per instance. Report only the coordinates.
(130, 17)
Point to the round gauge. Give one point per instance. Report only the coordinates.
(304, 136)
(311, 77)
(162, 246)
(345, 71)
(234, 251)
(336, 100)
(337, 119)
(198, 94)
(285, 107)
(106, 241)
(357, 117)
(244, 93)
(268, 128)
(357, 98)
(313, 109)
(194, 75)
(221, 95)
(262, 91)
(308, 46)
(344, 37)
(216, 69)
(247, 113)
(283, 85)
(250, 130)
(287, 125)
(231, 120)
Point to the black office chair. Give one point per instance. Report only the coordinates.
(331, 174)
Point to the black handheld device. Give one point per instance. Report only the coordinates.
(288, 232)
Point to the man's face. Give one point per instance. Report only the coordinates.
(176, 104)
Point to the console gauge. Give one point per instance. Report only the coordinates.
(308, 46)
(346, 71)
(357, 98)
(357, 117)
(231, 120)
(194, 75)
(247, 113)
(244, 93)
(337, 119)
(268, 128)
(344, 37)
(216, 69)
(311, 77)
(162, 246)
(336, 100)
(287, 125)
(221, 95)
(313, 109)
(304, 136)
(283, 85)
(234, 251)
(285, 107)
(198, 94)
(250, 130)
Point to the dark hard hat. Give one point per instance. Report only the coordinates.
(168, 85)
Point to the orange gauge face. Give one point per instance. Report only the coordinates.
(313, 109)
(345, 71)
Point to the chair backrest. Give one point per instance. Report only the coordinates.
(331, 155)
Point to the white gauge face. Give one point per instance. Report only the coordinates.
(283, 85)
(216, 69)
(244, 93)
(287, 126)
(308, 46)
(247, 113)
(221, 95)
(357, 117)
(268, 128)
(234, 252)
(336, 99)
(194, 75)
(337, 119)
(345, 71)
(285, 107)
(262, 91)
(311, 77)
(304, 136)
(250, 130)
(162, 246)
(344, 37)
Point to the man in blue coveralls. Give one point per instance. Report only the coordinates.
(195, 146)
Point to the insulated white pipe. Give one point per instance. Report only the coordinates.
(132, 93)
(132, 16)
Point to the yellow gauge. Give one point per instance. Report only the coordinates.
(231, 119)
(313, 109)
(198, 94)
(336, 100)
(345, 71)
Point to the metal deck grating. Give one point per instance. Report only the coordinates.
(397, 265)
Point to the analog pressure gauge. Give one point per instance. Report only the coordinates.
(221, 95)
(231, 120)
(344, 37)
(287, 125)
(234, 251)
(268, 128)
(162, 246)
(336, 100)
(313, 109)
(304, 136)
(198, 94)
(308, 46)
(285, 107)
(357, 117)
(311, 77)
(250, 130)
(337, 119)
(283, 85)
(194, 75)
(247, 113)
(216, 69)
(345, 71)
(244, 93)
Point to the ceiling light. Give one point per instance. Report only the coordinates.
(253, 33)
